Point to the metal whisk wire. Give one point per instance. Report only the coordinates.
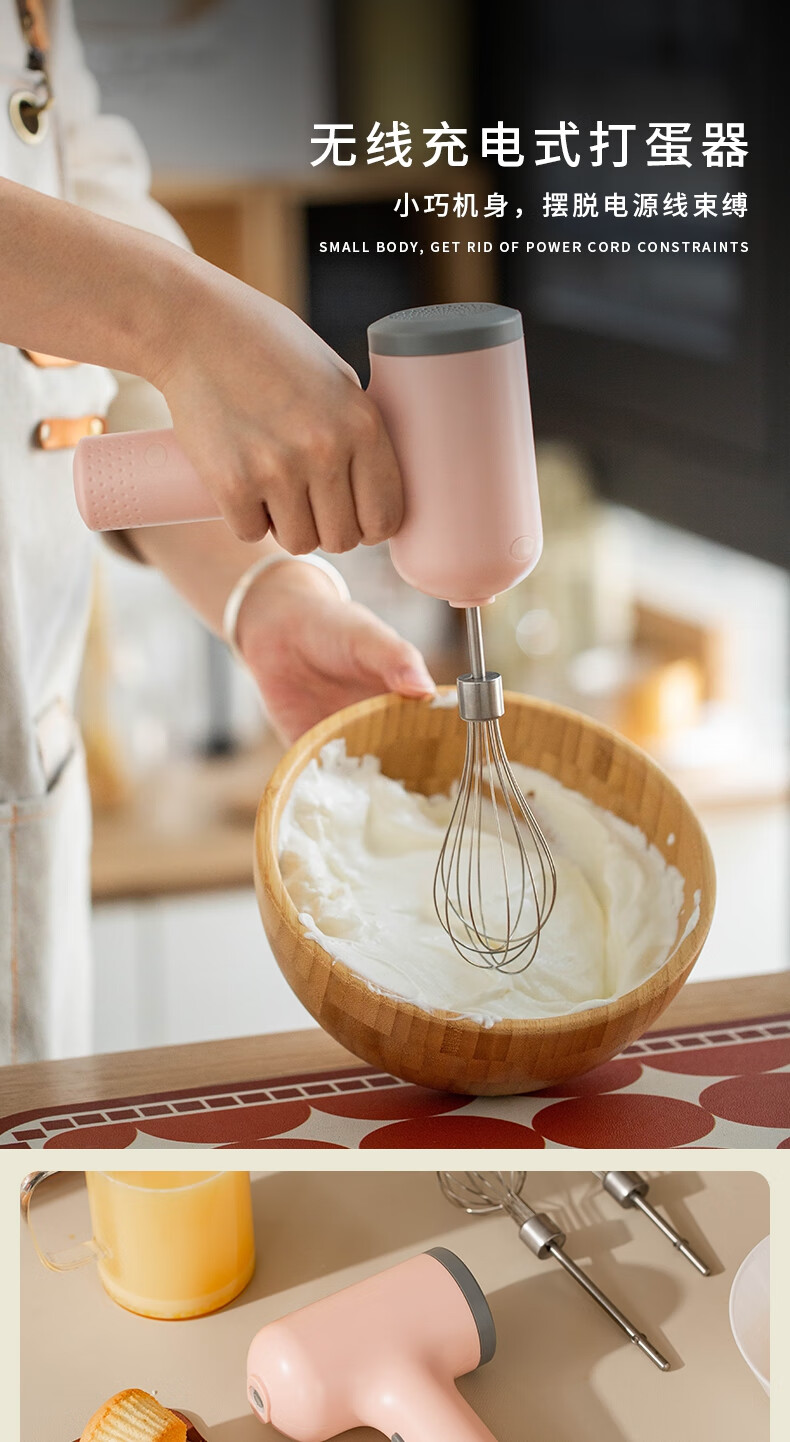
(480, 1192)
(528, 881)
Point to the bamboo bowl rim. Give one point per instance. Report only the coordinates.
(269, 877)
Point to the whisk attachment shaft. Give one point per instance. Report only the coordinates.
(480, 1192)
(495, 881)
(630, 1190)
(480, 694)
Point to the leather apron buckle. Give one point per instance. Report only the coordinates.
(60, 433)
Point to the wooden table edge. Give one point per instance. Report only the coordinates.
(262, 1058)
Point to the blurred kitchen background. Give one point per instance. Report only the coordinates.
(659, 392)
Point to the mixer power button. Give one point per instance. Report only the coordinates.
(523, 548)
(156, 454)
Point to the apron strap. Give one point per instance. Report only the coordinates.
(35, 30)
(36, 35)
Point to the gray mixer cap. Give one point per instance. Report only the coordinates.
(475, 1297)
(445, 329)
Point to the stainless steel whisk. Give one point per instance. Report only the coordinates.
(493, 922)
(481, 1192)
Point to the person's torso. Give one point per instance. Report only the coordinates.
(45, 551)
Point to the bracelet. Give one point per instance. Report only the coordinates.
(230, 616)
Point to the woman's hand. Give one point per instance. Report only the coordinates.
(312, 653)
(275, 423)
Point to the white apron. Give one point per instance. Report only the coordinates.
(45, 581)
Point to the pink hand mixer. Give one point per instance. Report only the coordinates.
(451, 384)
(383, 1353)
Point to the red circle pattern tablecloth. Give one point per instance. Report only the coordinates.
(722, 1086)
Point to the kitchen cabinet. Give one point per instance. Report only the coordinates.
(186, 968)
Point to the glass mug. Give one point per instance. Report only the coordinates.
(167, 1244)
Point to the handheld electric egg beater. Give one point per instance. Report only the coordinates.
(451, 384)
(383, 1353)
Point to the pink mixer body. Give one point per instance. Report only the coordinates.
(451, 384)
(461, 427)
(138, 478)
(383, 1353)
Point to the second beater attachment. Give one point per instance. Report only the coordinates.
(495, 881)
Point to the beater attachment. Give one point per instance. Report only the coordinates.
(495, 881)
(630, 1190)
(481, 1192)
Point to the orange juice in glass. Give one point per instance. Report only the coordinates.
(168, 1244)
(172, 1244)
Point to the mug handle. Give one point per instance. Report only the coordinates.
(72, 1257)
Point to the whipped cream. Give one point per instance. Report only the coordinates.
(357, 856)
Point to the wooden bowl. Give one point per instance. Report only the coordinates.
(423, 745)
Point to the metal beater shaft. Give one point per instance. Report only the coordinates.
(544, 1239)
(638, 1338)
(474, 636)
(630, 1190)
(480, 694)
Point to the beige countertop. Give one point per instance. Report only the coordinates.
(562, 1372)
(187, 827)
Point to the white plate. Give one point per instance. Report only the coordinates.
(750, 1311)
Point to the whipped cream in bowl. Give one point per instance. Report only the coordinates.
(346, 849)
(357, 856)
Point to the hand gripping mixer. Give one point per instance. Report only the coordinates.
(451, 384)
